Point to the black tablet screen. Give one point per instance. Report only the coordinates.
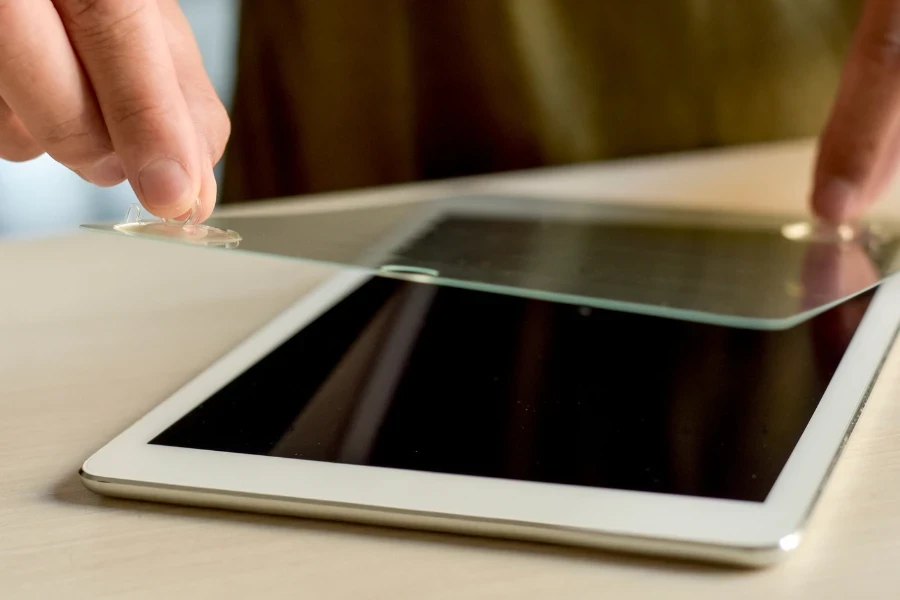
(415, 376)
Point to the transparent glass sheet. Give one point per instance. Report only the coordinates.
(737, 270)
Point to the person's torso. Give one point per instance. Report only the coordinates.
(351, 93)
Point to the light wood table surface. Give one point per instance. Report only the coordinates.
(95, 330)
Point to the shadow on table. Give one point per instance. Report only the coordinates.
(71, 491)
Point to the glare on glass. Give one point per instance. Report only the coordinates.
(738, 270)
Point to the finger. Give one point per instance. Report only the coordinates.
(206, 108)
(42, 82)
(203, 208)
(864, 116)
(16, 144)
(209, 114)
(886, 165)
(209, 189)
(124, 50)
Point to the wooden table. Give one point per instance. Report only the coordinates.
(96, 330)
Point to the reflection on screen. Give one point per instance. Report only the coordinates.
(413, 376)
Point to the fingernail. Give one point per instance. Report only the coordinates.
(164, 184)
(106, 172)
(835, 200)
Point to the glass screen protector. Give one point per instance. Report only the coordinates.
(737, 270)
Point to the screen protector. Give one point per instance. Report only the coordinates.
(731, 269)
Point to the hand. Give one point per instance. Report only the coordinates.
(113, 89)
(860, 147)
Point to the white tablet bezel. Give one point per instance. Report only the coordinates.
(768, 525)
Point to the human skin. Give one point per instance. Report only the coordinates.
(116, 90)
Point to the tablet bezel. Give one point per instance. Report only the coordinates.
(771, 525)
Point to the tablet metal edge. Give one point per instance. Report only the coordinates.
(435, 522)
(753, 557)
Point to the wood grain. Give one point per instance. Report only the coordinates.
(96, 330)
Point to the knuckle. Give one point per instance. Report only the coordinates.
(19, 151)
(101, 19)
(136, 115)
(18, 154)
(15, 144)
(142, 120)
(90, 13)
(211, 120)
(76, 141)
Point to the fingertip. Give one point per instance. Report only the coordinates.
(835, 200)
(209, 189)
(16, 143)
(203, 205)
(20, 154)
(166, 188)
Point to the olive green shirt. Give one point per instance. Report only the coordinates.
(336, 94)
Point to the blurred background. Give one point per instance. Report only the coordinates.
(345, 94)
(41, 198)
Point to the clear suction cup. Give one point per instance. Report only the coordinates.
(188, 231)
(815, 231)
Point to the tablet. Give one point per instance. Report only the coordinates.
(403, 403)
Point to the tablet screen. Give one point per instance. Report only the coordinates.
(414, 376)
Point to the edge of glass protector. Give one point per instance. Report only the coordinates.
(432, 277)
(798, 231)
(808, 231)
(650, 310)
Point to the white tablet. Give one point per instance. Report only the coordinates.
(402, 403)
